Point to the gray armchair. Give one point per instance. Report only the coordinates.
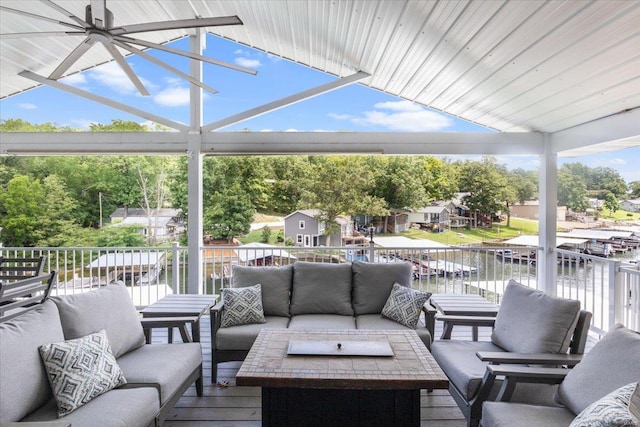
(611, 364)
(530, 325)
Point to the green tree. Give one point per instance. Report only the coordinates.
(230, 215)
(487, 188)
(525, 184)
(266, 234)
(21, 210)
(634, 189)
(611, 202)
(572, 190)
(59, 222)
(336, 185)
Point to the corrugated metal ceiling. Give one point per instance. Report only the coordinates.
(509, 65)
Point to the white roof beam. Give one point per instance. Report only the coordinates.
(624, 127)
(286, 101)
(105, 101)
(245, 143)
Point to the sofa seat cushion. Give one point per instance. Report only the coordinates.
(612, 363)
(530, 321)
(321, 289)
(276, 286)
(242, 337)
(81, 369)
(109, 308)
(504, 414)
(372, 283)
(164, 366)
(376, 321)
(458, 359)
(322, 321)
(24, 386)
(117, 408)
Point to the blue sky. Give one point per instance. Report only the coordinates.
(352, 108)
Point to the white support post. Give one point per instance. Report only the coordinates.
(194, 179)
(547, 219)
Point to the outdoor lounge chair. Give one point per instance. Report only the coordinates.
(12, 269)
(21, 295)
(601, 388)
(529, 324)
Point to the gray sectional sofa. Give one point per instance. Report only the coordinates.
(308, 295)
(156, 374)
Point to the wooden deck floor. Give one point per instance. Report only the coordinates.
(235, 406)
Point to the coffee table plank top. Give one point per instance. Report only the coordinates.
(411, 366)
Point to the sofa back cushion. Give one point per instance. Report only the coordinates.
(612, 363)
(276, 286)
(24, 386)
(530, 321)
(372, 284)
(321, 289)
(109, 308)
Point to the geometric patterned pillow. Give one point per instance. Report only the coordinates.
(404, 305)
(242, 306)
(80, 369)
(610, 411)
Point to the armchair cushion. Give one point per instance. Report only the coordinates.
(613, 410)
(80, 370)
(505, 414)
(276, 286)
(372, 284)
(109, 308)
(242, 306)
(404, 305)
(530, 321)
(609, 365)
(321, 289)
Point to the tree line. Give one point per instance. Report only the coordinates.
(63, 200)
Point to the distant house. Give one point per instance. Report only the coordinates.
(459, 213)
(158, 225)
(632, 205)
(431, 217)
(530, 209)
(306, 231)
(396, 222)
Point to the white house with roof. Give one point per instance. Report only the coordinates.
(431, 217)
(631, 205)
(157, 224)
(306, 231)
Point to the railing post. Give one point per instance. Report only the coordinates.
(616, 294)
(175, 267)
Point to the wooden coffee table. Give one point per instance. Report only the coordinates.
(340, 390)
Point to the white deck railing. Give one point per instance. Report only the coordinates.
(607, 288)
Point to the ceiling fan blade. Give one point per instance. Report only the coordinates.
(185, 54)
(41, 34)
(98, 12)
(71, 59)
(125, 67)
(66, 13)
(176, 25)
(42, 18)
(164, 65)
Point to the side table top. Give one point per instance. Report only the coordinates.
(411, 366)
(180, 305)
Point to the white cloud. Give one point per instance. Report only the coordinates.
(340, 116)
(617, 161)
(266, 130)
(248, 63)
(404, 116)
(82, 123)
(172, 97)
(112, 76)
(77, 79)
(291, 130)
(28, 106)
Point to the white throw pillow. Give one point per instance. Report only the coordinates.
(613, 410)
(404, 305)
(80, 370)
(242, 306)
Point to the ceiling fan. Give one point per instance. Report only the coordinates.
(98, 28)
